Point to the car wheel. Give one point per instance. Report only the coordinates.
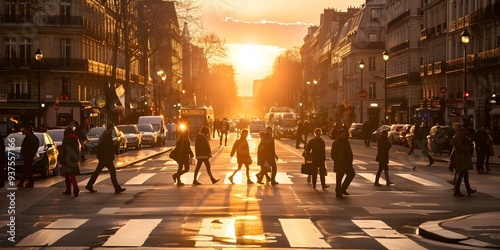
(45, 172)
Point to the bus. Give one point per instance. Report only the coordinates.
(197, 116)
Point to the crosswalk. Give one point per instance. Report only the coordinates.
(159, 177)
(215, 232)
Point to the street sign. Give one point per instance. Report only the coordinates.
(56, 106)
(363, 94)
(100, 103)
(443, 90)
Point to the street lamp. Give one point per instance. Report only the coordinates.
(158, 100)
(385, 56)
(361, 66)
(465, 40)
(314, 95)
(38, 57)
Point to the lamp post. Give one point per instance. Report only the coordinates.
(361, 66)
(465, 40)
(314, 95)
(385, 56)
(38, 57)
(158, 101)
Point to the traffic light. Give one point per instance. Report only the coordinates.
(466, 94)
(454, 110)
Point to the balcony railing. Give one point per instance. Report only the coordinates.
(62, 20)
(430, 69)
(19, 96)
(438, 67)
(404, 78)
(16, 19)
(453, 26)
(398, 19)
(400, 47)
(422, 70)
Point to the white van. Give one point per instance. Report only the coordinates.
(158, 124)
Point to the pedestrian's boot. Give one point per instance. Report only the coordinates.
(377, 177)
(68, 186)
(388, 181)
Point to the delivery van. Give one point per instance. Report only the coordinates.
(158, 124)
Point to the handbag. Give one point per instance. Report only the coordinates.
(248, 161)
(307, 168)
(174, 154)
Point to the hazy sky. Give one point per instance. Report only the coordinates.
(268, 26)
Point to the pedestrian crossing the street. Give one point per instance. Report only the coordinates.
(214, 232)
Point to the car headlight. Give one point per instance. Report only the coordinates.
(38, 157)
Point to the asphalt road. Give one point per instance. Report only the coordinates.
(154, 212)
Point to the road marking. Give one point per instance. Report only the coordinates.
(282, 178)
(303, 233)
(419, 180)
(140, 179)
(133, 234)
(385, 235)
(405, 204)
(378, 210)
(216, 232)
(108, 210)
(101, 177)
(52, 233)
(368, 176)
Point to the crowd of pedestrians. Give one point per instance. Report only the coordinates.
(464, 143)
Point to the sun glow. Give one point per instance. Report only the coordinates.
(251, 62)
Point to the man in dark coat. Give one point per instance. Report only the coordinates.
(105, 155)
(300, 131)
(315, 151)
(482, 147)
(29, 148)
(366, 133)
(342, 157)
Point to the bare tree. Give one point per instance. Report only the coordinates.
(214, 48)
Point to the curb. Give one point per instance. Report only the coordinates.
(133, 162)
(433, 230)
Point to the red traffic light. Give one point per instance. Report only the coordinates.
(151, 108)
(466, 94)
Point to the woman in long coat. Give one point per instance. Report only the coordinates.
(383, 147)
(267, 153)
(315, 150)
(463, 149)
(69, 158)
(242, 151)
(183, 145)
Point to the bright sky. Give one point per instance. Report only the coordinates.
(256, 31)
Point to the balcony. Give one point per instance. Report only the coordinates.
(398, 19)
(400, 47)
(16, 19)
(487, 58)
(476, 17)
(423, 34)
(46, 64)
(438, 67)
(422, 70)
(60, 20)
(19, 96)
(430, 68)
(453, 26)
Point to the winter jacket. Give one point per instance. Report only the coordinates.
(202, 147)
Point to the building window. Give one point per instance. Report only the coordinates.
(10, 12)
(375, 14)
(20, 89)
(65, 12)
(25, 54)
(371, 63)
(65, 51)
(373, 37)
(10, 52)
(65, 88)
(372, 91)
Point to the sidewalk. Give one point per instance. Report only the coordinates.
(476, 230)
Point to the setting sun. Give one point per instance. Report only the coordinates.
(251, 62)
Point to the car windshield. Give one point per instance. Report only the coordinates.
(57, 135)
(144, 127)
(288, 123)
(96, 132)
(257, 123)
(127, 129)
(17, 139)
(156, 127)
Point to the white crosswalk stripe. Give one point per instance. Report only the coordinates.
(133, 234)
(52, 233)
(139, 179)
(219, 232)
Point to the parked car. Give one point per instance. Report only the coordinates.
(159, 126)
(376, 134)
(402, 134)
(119, 140)
(257, 126)
(133, 135)
(355, 131)
(57, 136)
(394, 132)
(45, 160)
(438, 140)
(149, 136)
